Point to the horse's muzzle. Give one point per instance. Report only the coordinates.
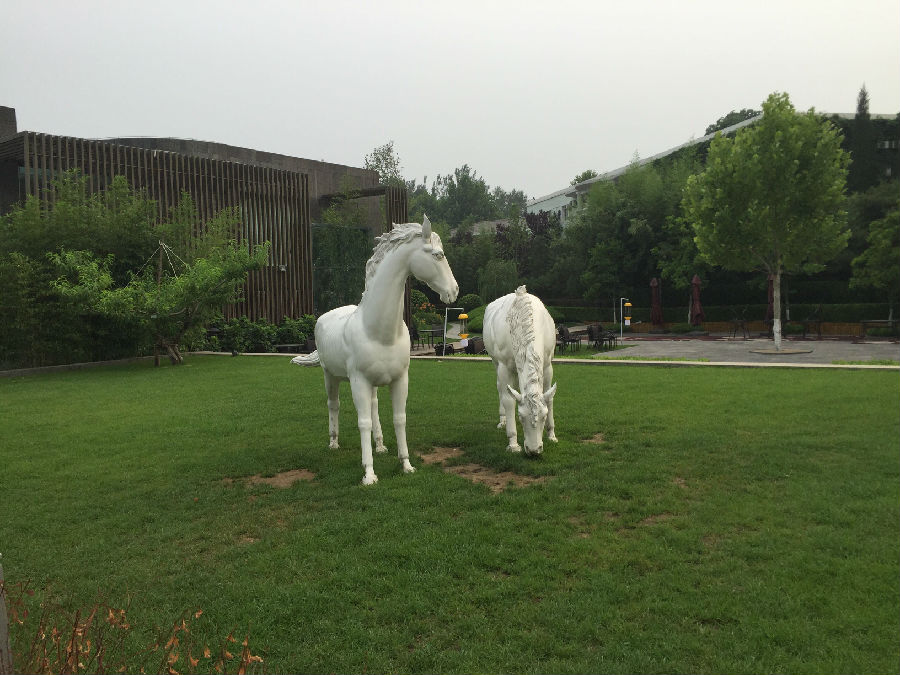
(534, 452)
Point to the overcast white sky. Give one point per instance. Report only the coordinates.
(529, 94)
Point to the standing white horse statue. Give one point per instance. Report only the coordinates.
(369, 344)
(520, 337)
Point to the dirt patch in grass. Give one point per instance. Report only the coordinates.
(496, 481)
(657, 518)
(596, 439)
(440, 455)
(280, 480)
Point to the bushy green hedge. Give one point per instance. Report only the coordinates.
(243, 335)
(470, 301)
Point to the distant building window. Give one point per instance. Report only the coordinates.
(890, 144)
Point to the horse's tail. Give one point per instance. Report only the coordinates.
(307, 359)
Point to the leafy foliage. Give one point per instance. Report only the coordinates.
(38, 325)
(730, 119)
(879, 265)
(587, 174)
(341, 246)
(190, 283)
(470, 301)
(385, 161)
(772, 198)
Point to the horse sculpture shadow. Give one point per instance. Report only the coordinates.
(368, 344)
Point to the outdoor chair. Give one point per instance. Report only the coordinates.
(595, 336)
(415, 340)
(610, 337)
(740, 322)
(564, 339)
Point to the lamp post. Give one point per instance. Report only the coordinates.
(623, 303)
(444, 338)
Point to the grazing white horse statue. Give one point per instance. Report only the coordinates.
(520, 337)
(368, 344)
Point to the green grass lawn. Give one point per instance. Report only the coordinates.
(732, 520)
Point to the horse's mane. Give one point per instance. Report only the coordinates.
(520, 320)
(387, 242)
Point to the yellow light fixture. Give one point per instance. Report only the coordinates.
(463, 325)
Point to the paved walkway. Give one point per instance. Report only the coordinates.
(723, 349)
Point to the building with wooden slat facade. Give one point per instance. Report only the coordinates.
(276, 195)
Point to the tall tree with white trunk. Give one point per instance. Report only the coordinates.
(772, 198)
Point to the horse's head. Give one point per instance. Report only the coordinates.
(533, 410)
(429, 264)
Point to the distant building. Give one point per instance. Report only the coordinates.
(567, 201)
(489, 226)
(278, 196)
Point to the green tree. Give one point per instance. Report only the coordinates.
(463, 197)
(342, 243)
(879, 265)
(386, 162)
(587, 174)
(730, 119)
(496, 278)
(37, 325)
(864, 169)
(199, 268)
(772, 198)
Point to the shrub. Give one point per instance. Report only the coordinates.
(296, 331)
(470, 301)
(426, 319)
(476, 320)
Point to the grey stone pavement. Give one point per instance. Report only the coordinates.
(722, 349)
(725, 349)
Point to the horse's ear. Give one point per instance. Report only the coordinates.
(426, 229)
(550, 393)
(516, 395)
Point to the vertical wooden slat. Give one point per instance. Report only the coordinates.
(26, 151)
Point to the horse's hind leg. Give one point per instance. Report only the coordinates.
(332, 389)
(376, 425)
(399, 392)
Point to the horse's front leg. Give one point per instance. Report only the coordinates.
(363, 393)
(502, 423)
(551, 425)
(332, 390)
(508, 406)
(376, 425)
(399, 391)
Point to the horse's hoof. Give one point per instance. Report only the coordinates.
(370, 478)
(407, 467)
(333, 445)
(552, 437)
(514, 447)
(502, 424)
(381, 448)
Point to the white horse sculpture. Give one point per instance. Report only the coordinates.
(369, 344)
(520, 337)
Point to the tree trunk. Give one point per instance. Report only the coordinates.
(776, 306)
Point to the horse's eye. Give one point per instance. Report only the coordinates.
(439, 255)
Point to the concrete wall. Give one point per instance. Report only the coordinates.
(7, 121)
(324, 177)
